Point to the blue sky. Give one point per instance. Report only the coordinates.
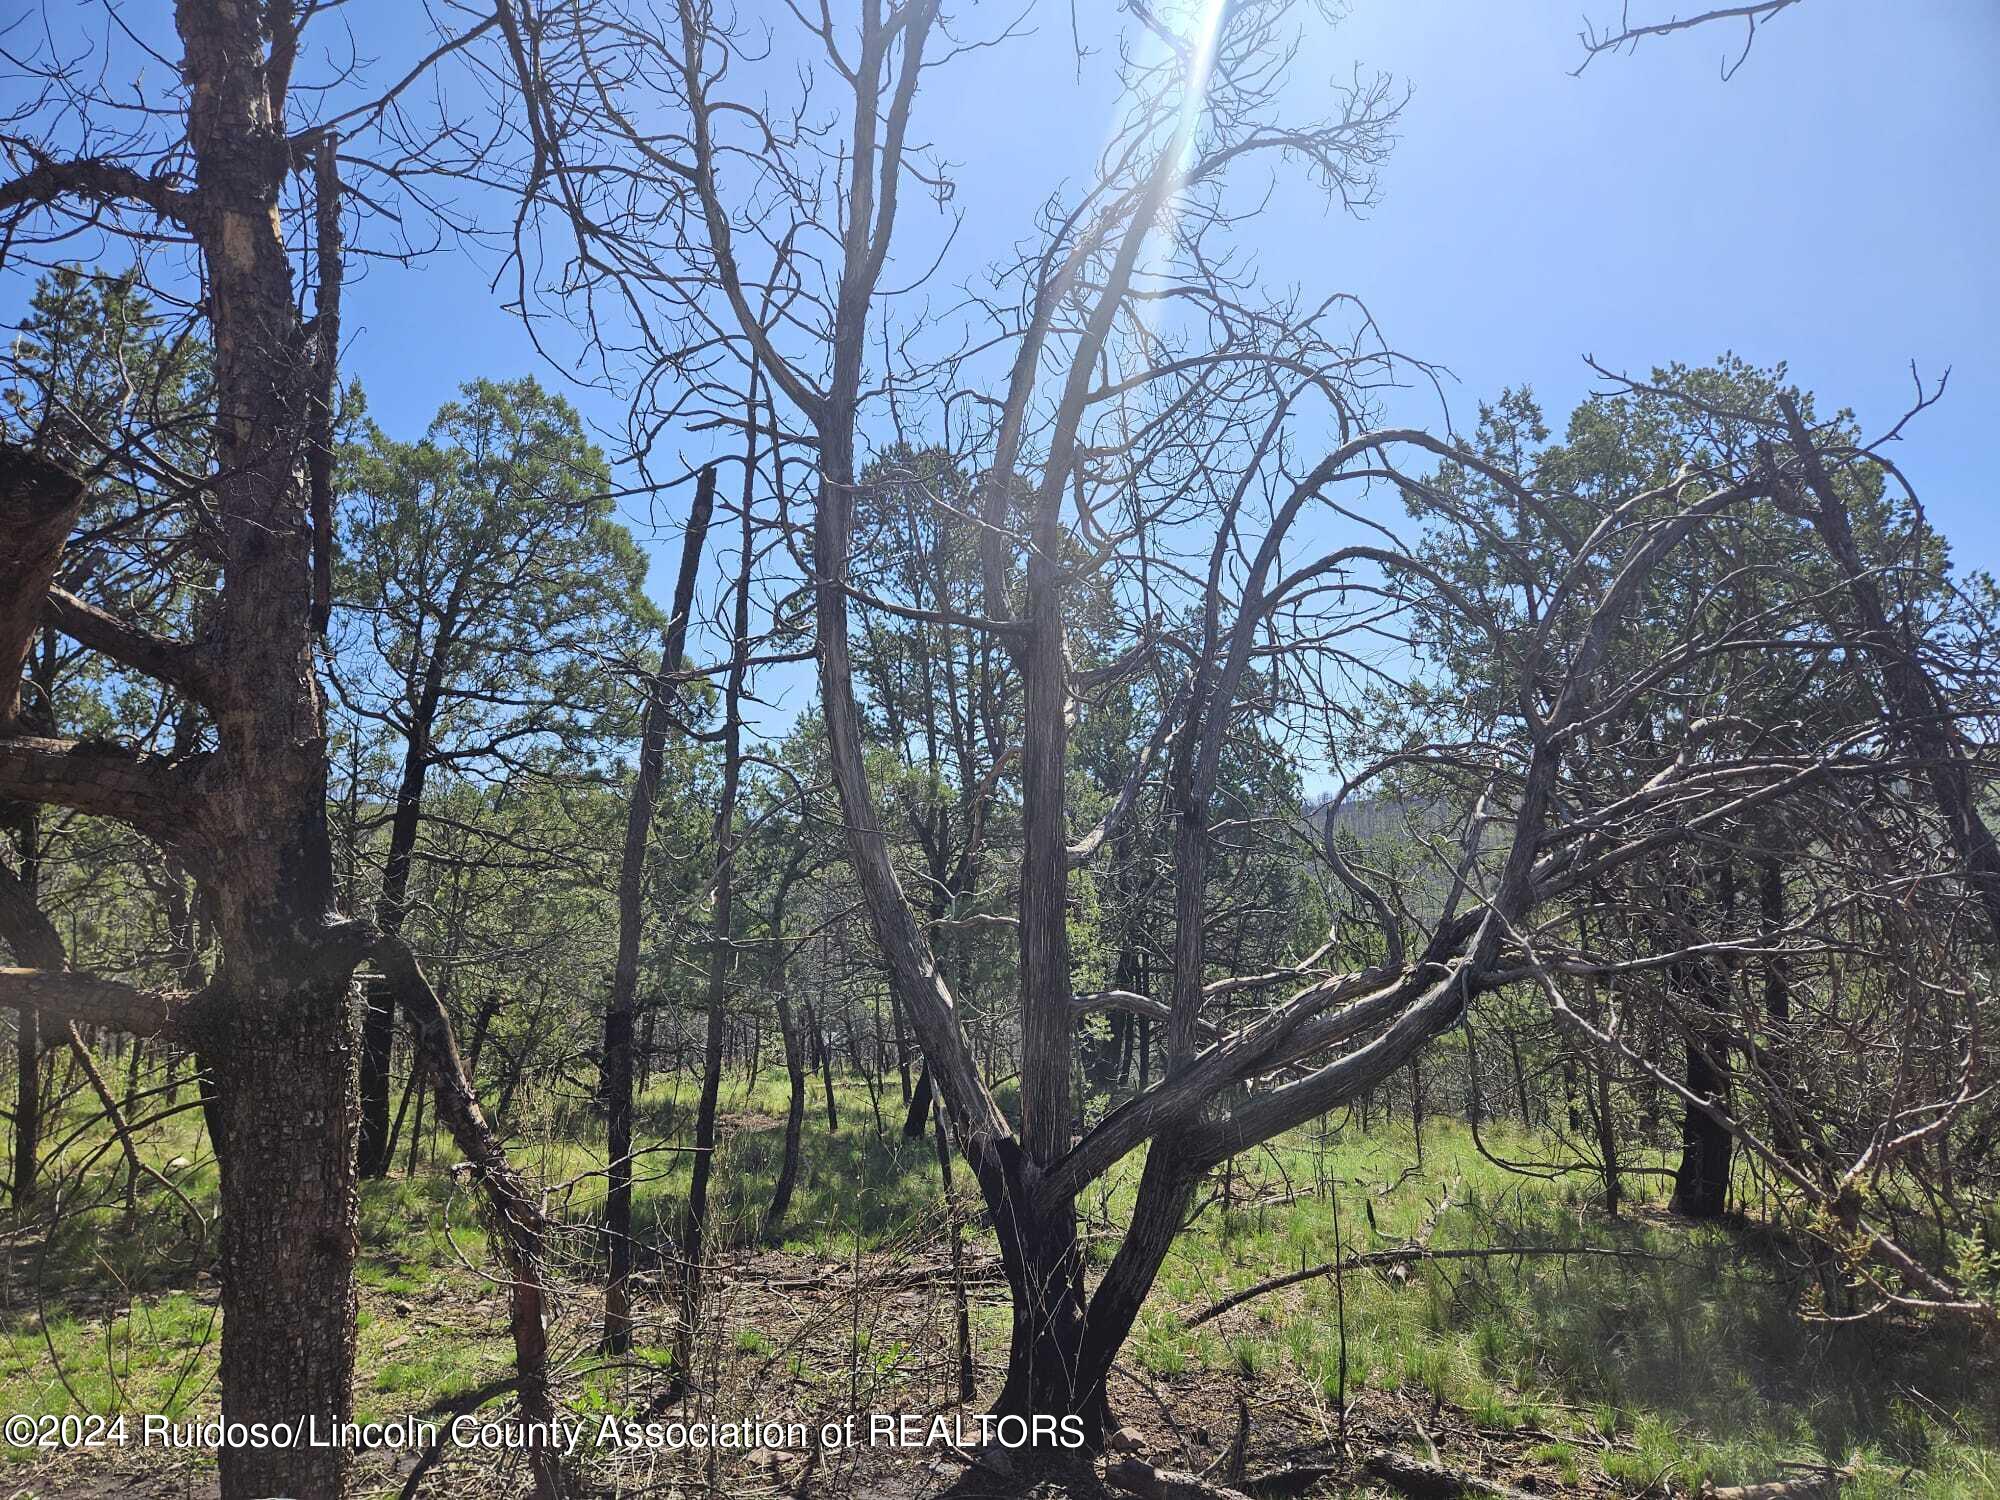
(1833, 205)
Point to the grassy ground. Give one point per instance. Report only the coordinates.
(1680, 1357)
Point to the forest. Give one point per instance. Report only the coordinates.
(1022, 879)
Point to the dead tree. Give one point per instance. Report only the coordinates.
(1921, 712)
(236, 177)
(1627, 33)
(616, 1082)
(791, 1036)
(1108, 443)
(725, 839)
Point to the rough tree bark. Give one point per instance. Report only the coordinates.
(246, 816)
(35, 944)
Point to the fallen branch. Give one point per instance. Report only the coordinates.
(1429, 1481)
(454, 1406)
(1137, 1477)
(1376, 1259)
(907, 1279)
(1822, 1484)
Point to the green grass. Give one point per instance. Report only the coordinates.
(1693, 1359)
(1686, 1354)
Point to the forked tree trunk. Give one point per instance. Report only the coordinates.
(1043, 1262)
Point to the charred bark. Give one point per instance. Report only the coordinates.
(722, 934)
(616, 1082)
(795, 1116)
(36, 943)
(1701, 1181)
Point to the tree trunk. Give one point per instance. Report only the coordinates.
(514, 1209)
(27, 1105)
(902, 1046)
(616, 1082)
(722, 935)
(1701, 1182)
(1043, 1262)
(378, 1041)
(920, 1106)
(825, 1054)
(285, 1056)
(1607, 1142)
(961, 1306)
(35, 943)
(279, 1030)
(1166, 1192)
(488, 1009)
(795, 1115)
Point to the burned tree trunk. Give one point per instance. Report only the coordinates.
(281, 1036)
(722, 936)
(1701, 1181)
(247, 816)
(616, 1082)
(795, 1116)
(35, 943)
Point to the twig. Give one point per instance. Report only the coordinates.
(1379, 1258)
